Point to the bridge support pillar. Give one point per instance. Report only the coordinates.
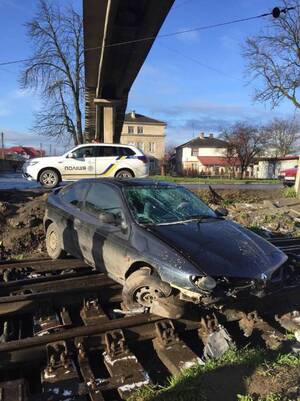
(105, 119)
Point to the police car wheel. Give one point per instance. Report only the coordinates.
(124, 174)
(49, 178)
(53, 243)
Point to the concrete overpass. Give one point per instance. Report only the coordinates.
(110, 69)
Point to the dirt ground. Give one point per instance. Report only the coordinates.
(21, 223)
(22, 211)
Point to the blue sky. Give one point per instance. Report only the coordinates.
(195, 81)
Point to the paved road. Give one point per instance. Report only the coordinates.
(16, 181)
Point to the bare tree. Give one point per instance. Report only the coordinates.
(245, 143)
(55, 70)
(273, 57)
(282, 136)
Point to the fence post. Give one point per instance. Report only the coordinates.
(297, 182)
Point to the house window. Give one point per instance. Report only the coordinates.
(151, 147)
(130, 130)
(140, 145)
(194, 152)
(140, 130)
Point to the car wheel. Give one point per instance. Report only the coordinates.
(53, 243)
(124, 174)
(49, 178)
(142, 288)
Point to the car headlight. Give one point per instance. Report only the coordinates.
(31, 163)
(205, 283)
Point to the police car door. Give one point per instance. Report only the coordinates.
(80, 164)
(106, 160)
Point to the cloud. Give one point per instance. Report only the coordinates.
(188, 37)
(4, 110)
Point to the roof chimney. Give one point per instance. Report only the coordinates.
(211, 135)
(201, 135)
(133, 114)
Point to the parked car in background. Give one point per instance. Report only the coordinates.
(288, 176)
(88, 161)
(161, 242)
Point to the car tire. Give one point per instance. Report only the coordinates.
(49, 178)
(124, 174)
(141, 288)
(53, 243)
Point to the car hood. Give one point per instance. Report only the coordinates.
(222, 248)
(47, 159)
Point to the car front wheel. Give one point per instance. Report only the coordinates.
(142, 288)
(49, 178)
(124, 174)
(53, 243)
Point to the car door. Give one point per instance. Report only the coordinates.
(71, 198)
(103, 245)
(106, 160)
(81, 163)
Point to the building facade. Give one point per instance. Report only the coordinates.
(147, 134)
(205, 155)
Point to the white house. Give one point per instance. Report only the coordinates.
(205, 155)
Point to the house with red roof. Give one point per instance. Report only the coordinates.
(23, 152)
(206, 156)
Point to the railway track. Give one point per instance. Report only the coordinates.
(63, 335)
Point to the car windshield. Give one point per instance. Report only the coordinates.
(165, 205)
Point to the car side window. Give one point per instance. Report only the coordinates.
(107, 151)
(103, 198)
(126, 152)
(75, 193)
(85, 151)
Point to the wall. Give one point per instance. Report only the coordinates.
(151, 141)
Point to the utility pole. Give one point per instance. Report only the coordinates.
(50, 149)
(2, 145)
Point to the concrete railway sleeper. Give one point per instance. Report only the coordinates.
(63, 320)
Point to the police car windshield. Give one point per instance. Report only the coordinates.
(163, 205)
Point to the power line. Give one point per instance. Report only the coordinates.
(209, 67)
(167, 35)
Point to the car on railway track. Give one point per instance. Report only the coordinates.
(87, 161)
(161, 242)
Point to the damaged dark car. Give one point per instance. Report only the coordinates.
(161, 242)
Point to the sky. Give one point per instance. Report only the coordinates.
(195, 82)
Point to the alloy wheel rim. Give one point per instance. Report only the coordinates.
(48, 178)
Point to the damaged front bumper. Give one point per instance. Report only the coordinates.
(229, 289)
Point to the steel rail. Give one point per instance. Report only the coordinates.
(122, 323)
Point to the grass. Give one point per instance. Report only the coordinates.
(289, 192)
(211, 180)
(191, 384)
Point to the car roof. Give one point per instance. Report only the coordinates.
(105, 144)
(129, 182)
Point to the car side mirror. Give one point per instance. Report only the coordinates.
(107, 218)
(221, 211)
(71, 156)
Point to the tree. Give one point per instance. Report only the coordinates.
(282, 136)
(273, 57)
(245, 143)
(55, 70)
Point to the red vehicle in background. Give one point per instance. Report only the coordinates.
(288, 176)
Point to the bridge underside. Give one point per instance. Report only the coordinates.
(110, 70)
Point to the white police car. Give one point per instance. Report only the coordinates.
(88, 161)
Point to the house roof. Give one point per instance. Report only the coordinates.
(205, 142)
(30, 151)
(218, 161)
(140, 118)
